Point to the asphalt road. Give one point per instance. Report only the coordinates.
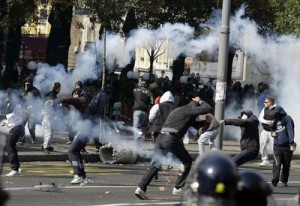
(112, 185)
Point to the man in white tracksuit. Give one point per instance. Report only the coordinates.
(266, 118)
(48, 112)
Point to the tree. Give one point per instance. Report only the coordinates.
(12, 20)
(3, 13)
(129, 25)
(193, 12)
(287, 14)
(130, 22)
(110, 13)
(260, 11)
(59, 39)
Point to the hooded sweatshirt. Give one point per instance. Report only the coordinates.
(249, 131)
(284, 129)
(159, 112)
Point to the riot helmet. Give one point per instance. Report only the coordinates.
(252, 188)
(217, 175)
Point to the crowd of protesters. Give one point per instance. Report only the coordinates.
(84, 110)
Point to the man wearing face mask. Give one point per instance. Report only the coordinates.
(249, 141)
(31, 105)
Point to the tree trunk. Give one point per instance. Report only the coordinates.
(59, 39)
(12, 54)
(1, 50)
(178, 68)
(152, 59)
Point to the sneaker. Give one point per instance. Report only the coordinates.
(21, 142)
(33, 140)
(186, 140)
(83, 151)
(139, 193)
(264, 163)
(274, 183)
(177, 191)
(284, 184)
(13, 173)
(47, 148)
(76, 180)
(69, 142)
(84, 182)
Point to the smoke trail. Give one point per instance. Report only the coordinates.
(278, 53)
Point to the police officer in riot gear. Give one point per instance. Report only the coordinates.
(215, 184)
(252, 189)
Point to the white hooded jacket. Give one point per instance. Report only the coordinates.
(166, 97)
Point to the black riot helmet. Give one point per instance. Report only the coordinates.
(252, 189)
(216, 175)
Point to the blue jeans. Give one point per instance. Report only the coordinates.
(209, 136)
(139, 117)
(75, 156)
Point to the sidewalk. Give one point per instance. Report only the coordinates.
(32, 152)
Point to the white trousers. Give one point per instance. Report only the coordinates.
(266, 139)
(47, 130)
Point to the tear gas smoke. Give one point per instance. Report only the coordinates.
(278, 53)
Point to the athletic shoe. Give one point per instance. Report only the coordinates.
(284, 184)
(139, 193)
(274, 183)
(84, 181)
(47, 148)
(77, 180)
(264, 163)
(21, 142)
(177, 191)
(13, 173)
(83, 151)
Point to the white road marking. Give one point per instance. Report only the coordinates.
(71, 187)
(125, 204)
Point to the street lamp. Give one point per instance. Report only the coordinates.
(31, 65)
(222, 69)
(22, 54)
(39, 65)
(104, 58)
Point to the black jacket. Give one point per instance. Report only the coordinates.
(249, 132)
(181, 118)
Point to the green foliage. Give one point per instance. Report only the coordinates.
(17, 13)
(130, 22)
(110, 13)
(261, 11)
(287, 16)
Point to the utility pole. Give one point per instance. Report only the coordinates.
(104, 59)
(222, 69)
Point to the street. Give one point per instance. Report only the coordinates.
(112, 184)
